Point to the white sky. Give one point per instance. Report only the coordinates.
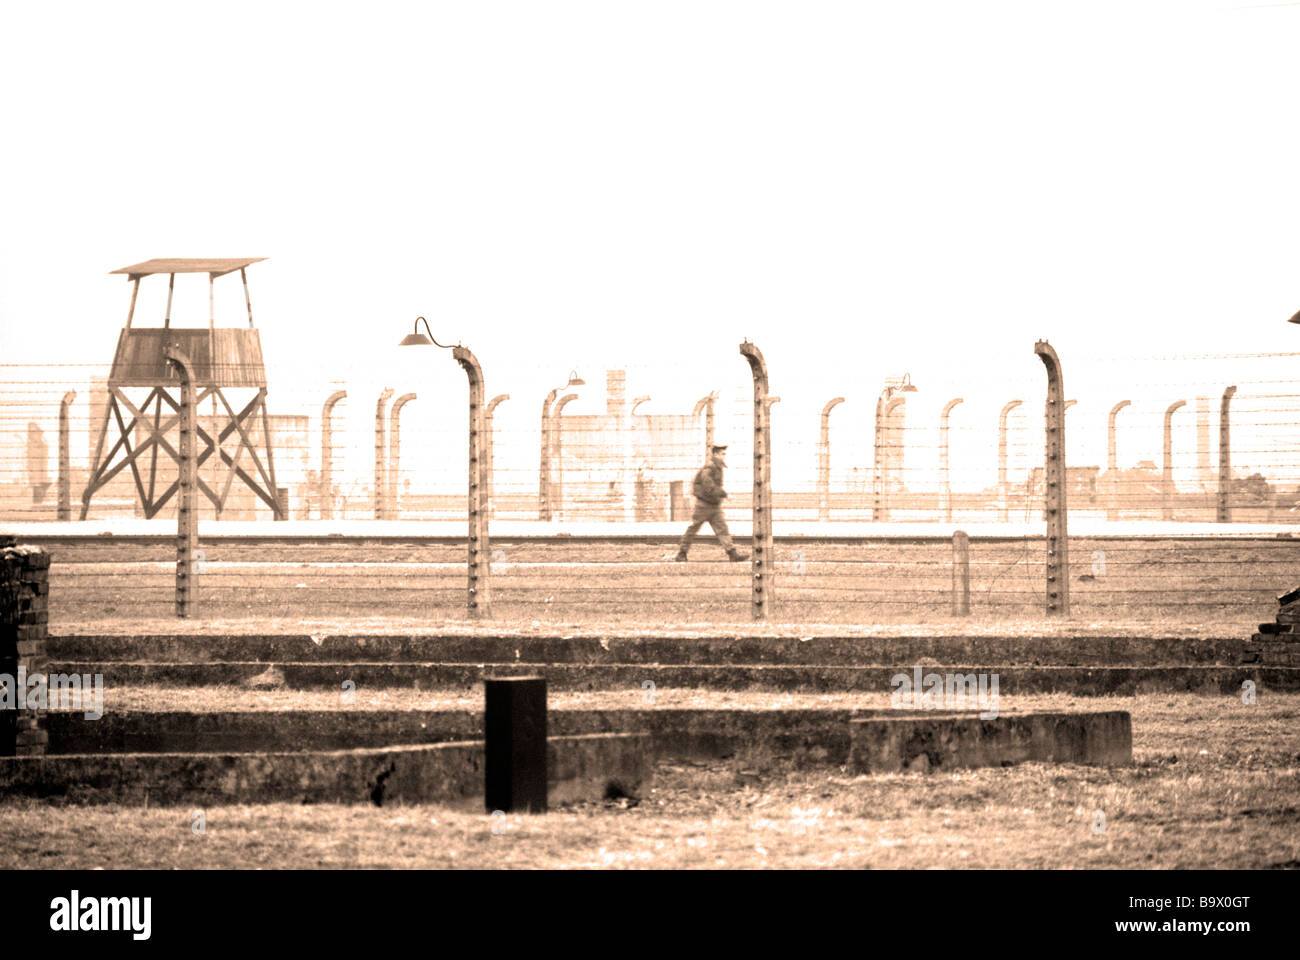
(861, 188)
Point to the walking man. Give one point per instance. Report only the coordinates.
(709, 495)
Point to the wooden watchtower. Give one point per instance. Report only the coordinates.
(228, 370)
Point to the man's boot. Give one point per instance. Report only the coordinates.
(681, 556)
(736, 555)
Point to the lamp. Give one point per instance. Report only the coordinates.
(418, 339)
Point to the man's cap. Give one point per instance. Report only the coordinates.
(719, 448)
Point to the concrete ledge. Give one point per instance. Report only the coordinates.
(587, 760)
(594, 649)
(925, 742)
(800, 735)
(581, 768)
(141, 731)
(751, 737)
(1082, 681)
(754, 738)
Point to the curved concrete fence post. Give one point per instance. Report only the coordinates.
(771, 507)
(392, 501)
(1004, 508)
(706, 405)
(945, 487)
(1112, 462)
(488, 453)
(824, 461)
(1223, 513)
(381, 485)
(885, 447)
(478, 601)
(877, 463)
(895, 411)
(1167, 474)
(544, 469)
(327, 453)
(761, 559)
(1054, 472)
(187, 517)
(555, 492)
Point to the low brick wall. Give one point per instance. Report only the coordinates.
(24, 624)
(1278, 643)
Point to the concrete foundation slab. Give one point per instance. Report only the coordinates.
(798, 735)
(924, 742)
(583, 767)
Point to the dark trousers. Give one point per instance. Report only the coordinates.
(710, 513)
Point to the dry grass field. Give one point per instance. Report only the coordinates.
(1213, 785)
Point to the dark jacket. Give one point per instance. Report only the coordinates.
(707, 487)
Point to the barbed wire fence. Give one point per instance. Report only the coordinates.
(1163, 524)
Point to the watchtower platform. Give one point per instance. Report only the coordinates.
(229, 372)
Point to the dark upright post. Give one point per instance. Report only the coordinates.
(515, 743)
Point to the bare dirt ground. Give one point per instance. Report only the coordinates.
(1178, 588)
(1213, 786)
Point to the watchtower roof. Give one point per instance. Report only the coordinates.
(216, 267)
